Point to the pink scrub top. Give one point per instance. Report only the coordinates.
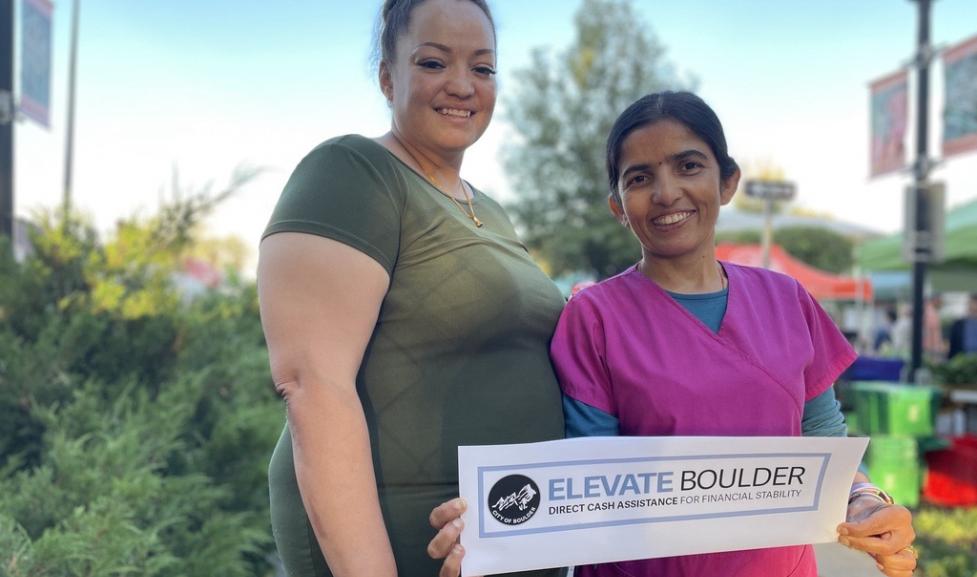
(627, 348)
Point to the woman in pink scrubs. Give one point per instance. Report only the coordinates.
(682, 344)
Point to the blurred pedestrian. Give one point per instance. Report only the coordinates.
(902, 331)
(934, 345)
(963, 331)
(886, 320)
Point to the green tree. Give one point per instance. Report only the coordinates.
(745, 236)
(562, 111)
(134, 425)
(817, 246)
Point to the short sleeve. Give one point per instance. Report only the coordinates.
(578, 354)
(832, 351)
(338, 193)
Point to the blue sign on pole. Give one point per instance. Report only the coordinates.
(35, 64)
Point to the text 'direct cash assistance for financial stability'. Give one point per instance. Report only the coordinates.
(604, 499)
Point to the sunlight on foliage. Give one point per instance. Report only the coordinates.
(947, 541)
(134, 422)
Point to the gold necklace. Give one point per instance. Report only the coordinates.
(470, 213)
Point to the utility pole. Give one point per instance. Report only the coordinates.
(767, 239)
(69, 142)
(921, 234)
(7, 117)
(768, 191)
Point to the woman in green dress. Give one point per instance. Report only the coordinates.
(403, 316)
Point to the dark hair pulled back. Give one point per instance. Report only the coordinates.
(394, 20)
(683, 107)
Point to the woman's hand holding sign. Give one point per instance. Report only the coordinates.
(882, 529)
(446, 518)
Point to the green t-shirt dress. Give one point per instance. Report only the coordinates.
(459, 355)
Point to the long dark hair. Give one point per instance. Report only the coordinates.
(684, 107)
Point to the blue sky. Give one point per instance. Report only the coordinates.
(205, 85)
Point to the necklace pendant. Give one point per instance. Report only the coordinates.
(478, 223)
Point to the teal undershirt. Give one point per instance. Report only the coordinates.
(822, 414)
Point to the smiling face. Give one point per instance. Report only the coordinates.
(670, 191)
(441, 83)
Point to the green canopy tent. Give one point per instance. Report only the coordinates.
(958, 271)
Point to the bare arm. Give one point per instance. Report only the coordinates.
(319, 304)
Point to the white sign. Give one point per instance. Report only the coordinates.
(605, 499)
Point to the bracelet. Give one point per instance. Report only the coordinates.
(869, 490)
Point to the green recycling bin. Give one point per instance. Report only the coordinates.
(895, 409)
(893, 465)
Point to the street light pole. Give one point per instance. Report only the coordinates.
(767, 239)
(69, 143)
(922, 248)
(767, 191)
(7, 117)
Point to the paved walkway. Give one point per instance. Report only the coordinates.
(835, 560)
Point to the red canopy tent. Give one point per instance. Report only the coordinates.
(821, 284)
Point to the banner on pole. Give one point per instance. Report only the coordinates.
(35, 66)
(889, 117)
(960, 98)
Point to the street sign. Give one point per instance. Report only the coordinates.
(35, 66)
(770, 189)
(928, 245)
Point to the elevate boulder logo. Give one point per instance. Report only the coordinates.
(514, 499)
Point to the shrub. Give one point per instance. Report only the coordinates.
(947, 542)
(961, 370)
(134, 428)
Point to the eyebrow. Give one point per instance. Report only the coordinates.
(634, 168)
(690, 153)
(443, 48)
